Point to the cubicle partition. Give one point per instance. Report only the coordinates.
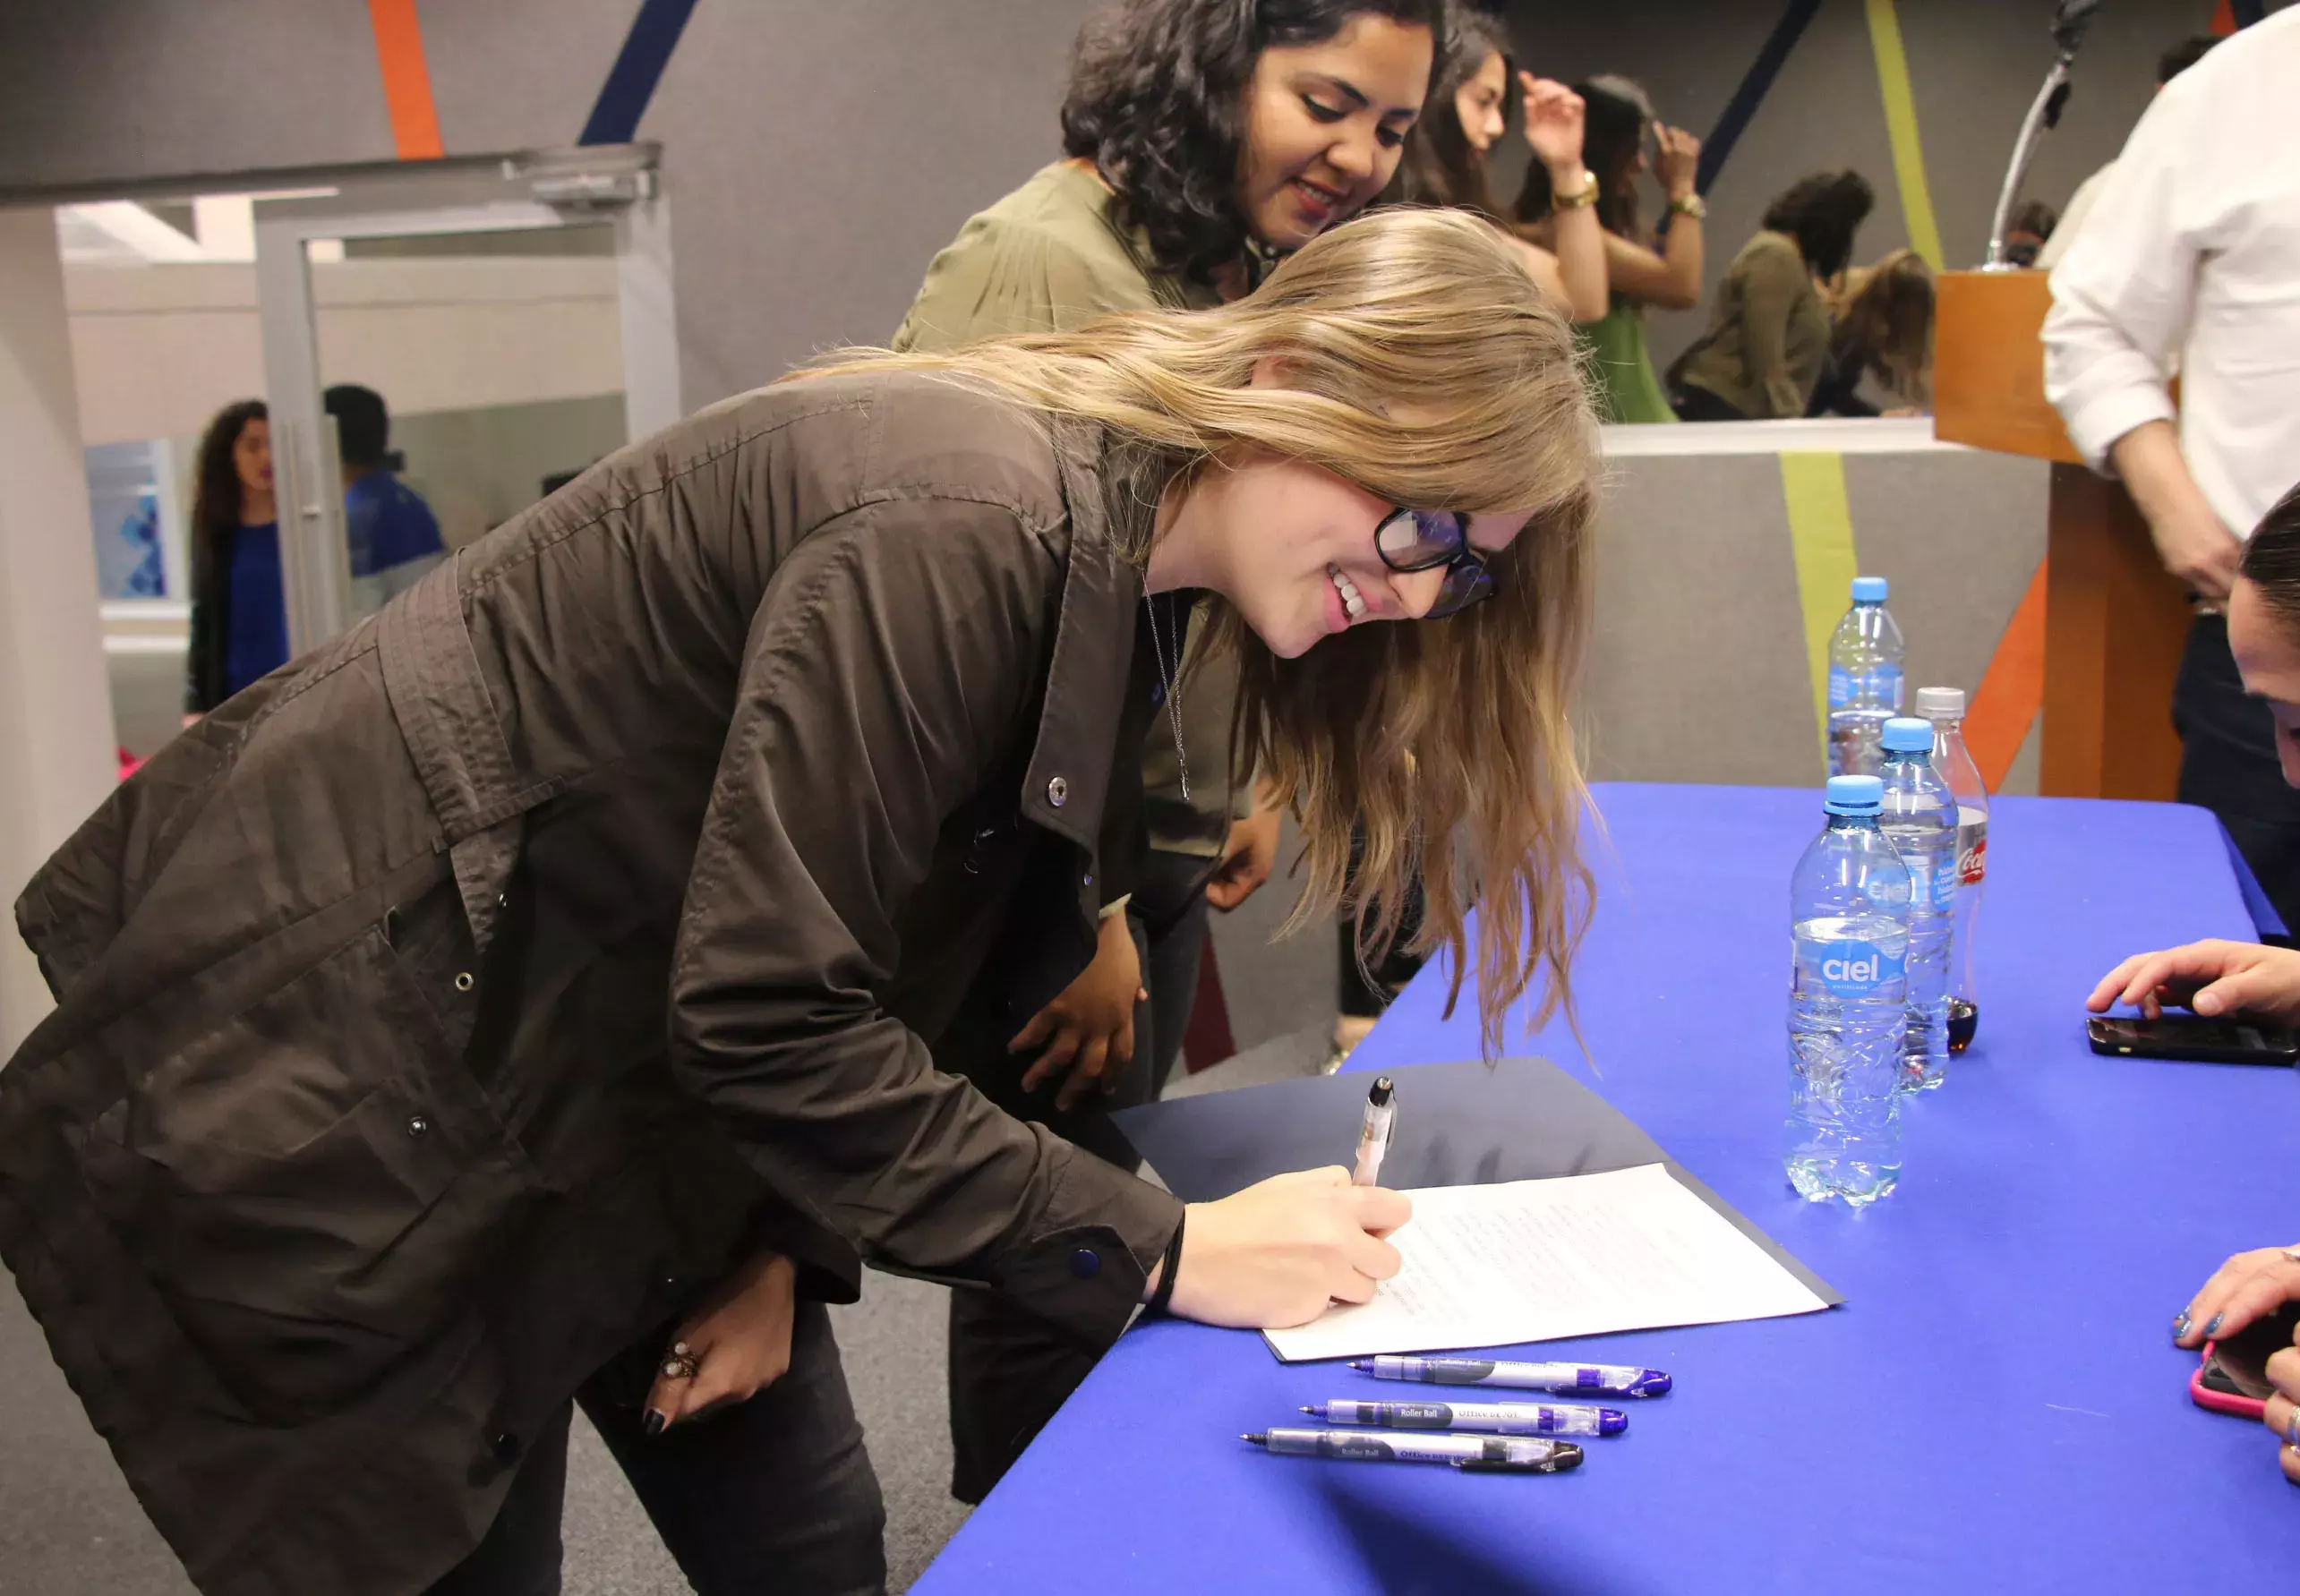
(1725, 555)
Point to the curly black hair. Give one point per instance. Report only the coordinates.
(1822, 213)
(1156, 102)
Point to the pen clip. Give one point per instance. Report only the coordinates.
(1481, 1466)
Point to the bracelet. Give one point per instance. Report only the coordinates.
(1173, 1264)
(1692, 205)
(1586, 195)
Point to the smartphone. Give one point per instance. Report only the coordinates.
(2232, 1377)
(2195, 1038)
(2211, 1389)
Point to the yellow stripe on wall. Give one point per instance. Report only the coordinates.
(1820, 538)
(1901, 127)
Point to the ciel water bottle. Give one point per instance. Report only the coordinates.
(1864, 680)
(1848, 995)
(1920, 819)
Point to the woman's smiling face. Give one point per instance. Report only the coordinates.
(1326, 124)
(1292, 547)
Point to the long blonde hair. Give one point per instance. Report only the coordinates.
(1418, 361)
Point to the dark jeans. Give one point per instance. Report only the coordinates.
(1366, 992)
(1170, 905)
(776, 1494)
(2229, 765)
(1009, 1369)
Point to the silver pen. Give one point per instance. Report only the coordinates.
(1494, 1418)
(1375, 1136)
(1476, 1454)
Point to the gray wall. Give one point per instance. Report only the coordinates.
(819, 151)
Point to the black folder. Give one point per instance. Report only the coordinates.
(1458, 1124)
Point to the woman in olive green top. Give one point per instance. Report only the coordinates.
(1642, 270)
(1204, 140)
(1768, 337)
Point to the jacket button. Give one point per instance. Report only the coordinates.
(505, 1446)
(1058, 792)
(417, 1125)
(1086, 1263)
(463, 981)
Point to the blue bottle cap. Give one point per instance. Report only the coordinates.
(1905, 734)
(1855, 795)
(1868, 590)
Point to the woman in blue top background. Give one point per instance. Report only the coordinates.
(239, 605)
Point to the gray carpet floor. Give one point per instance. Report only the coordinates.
(68, 1527)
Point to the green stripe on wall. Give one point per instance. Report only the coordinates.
(1901, 127)
(1820, 538)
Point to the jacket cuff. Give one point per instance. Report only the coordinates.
(1088, 1268)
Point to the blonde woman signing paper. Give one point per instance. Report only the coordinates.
(439, 1017)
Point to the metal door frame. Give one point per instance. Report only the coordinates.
(614, 183)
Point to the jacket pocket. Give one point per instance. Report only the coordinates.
(312, 1185)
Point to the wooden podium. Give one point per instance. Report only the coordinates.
(2116, 622)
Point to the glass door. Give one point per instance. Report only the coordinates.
(445, 345)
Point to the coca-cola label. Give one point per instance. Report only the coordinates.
(1971, 847)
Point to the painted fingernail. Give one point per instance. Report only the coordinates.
(2214, 1328)
(2180, 1325)
(654, 1424)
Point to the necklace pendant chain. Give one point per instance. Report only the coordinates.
(1166, 680)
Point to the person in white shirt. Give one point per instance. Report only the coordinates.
(2194, 254)
(2169, 65)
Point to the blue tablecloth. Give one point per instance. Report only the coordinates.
(1997, 1407)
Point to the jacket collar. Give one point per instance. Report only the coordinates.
(1066, 788)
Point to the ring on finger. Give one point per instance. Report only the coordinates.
(681, 1365)
(2292, 1426)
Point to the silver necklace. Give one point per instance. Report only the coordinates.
(1173, 694)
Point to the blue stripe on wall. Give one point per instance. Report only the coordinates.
(1751, 94)
(638, 68)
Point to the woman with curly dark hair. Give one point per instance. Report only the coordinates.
(1204, 140)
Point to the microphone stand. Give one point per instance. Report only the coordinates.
(2044, 112)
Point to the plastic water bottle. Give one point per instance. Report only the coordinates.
(1864, 680)
(1847, 992)
(1944, 708)
(1920, 819)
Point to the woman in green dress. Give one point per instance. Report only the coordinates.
(1644, 270)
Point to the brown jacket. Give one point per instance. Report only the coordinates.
(437, 1016)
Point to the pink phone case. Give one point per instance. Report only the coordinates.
(2221, 1402)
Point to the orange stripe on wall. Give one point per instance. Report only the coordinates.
(406, 79)
(2012, 689)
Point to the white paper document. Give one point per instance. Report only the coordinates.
(1540, 1260)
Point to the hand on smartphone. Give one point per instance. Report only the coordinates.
(2211, 977)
